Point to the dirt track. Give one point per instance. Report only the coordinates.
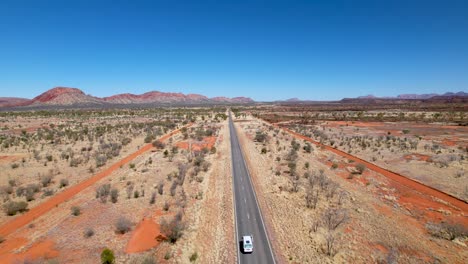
(417, 186)
(48, 205)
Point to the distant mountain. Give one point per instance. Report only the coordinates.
(64, 96)
(12, 101)
(416, 96)
(156, 97)
(370, 96)
(408, 97)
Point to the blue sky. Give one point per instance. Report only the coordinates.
(266, 50)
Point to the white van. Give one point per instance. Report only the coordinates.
(247, 244)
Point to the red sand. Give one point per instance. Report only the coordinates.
(9, 158)
(40, 250)
(48, 205)
(416, 156)
(207, 142)
(144, 237)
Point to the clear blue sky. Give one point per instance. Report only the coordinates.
(267, 50)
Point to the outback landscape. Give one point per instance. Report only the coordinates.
(335, 183)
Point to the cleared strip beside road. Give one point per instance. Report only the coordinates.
(249, 220)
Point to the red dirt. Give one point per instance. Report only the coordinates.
(9, 158)
(144, 237)
(400, 179)
(449, 143)
(67, 194)
(40, 250)
(207, 142)
(416, 156)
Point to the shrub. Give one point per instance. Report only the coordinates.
(153, 198)
(193, 257)
(12, 207)
(63, 183)
(334, 165)
(166, 206)
(173, 229)
(89, 232)
(260, 137)
(107, 256)
(48, 192)
(264, 150)
(132, 165)
(12, 182)
(213, 150)
(161, 188)
(29, 194)
(46, 180)
(307, 147)
(360, 168)
(158, 144)
(2, 239)
(149, 260)
(14, 165)
(76, 211)
(114, 195)
(173, 188)
(123, 225)
(446, 230)
(103, 191)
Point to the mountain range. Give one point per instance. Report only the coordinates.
(416, 96)
(74, 97)
(64, 96)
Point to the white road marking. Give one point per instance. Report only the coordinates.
(245, 200)
(248, 215)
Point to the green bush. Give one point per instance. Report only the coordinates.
(107, 256)
(193, 257)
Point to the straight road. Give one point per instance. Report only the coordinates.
(249, 220)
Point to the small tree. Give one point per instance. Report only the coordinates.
(332, 218)
(107, 256)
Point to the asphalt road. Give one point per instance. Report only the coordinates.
(248, 217)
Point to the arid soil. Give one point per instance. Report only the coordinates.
(129, 205)
(433, 154)
(384, 220)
